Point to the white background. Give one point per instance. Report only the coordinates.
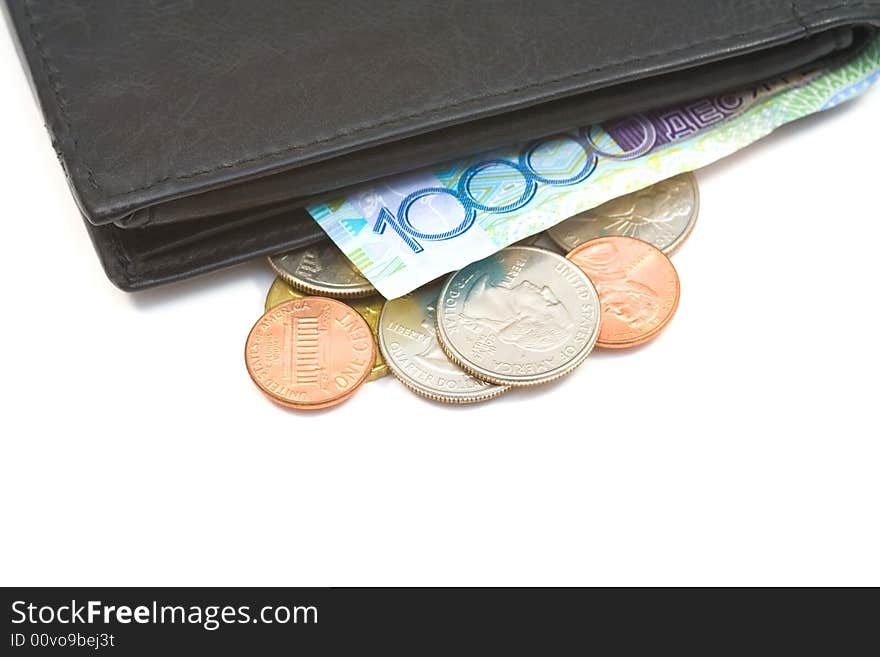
(740, 447)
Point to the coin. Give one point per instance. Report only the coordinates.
(520, 317)
(663, 215)
(280, 291)
(367, 307)
(321, 269)
(408, 340)
(637, 285)
(309, 353)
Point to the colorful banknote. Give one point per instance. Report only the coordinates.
(404, 231)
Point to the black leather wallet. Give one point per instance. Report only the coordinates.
(192, 133)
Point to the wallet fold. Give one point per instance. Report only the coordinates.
(192, 134)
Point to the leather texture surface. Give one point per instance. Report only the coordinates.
(192, 132)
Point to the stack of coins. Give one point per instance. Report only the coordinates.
(524, 316)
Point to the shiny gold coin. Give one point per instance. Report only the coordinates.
(367, 307)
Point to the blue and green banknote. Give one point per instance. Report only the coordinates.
(406, 230)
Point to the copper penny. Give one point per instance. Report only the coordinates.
(367, 307)
(310, 353)
(638, 288)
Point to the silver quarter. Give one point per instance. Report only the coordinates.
(663, 215)
(321, 269)
(408, 342)
(520, 317)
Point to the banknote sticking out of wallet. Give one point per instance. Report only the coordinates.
(198, 135)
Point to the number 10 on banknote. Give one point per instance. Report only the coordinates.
(404, 231)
